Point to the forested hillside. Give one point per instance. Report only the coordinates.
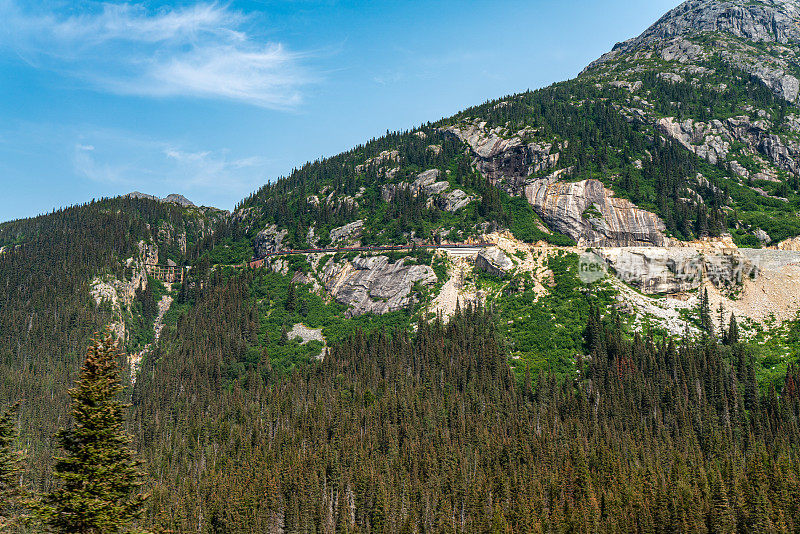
(47, 315)
(431, 432)
(475, 389)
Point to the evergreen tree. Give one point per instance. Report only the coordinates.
(99, 473)
(705, 313)
(11, 494)
(733, 331)
(291, 299)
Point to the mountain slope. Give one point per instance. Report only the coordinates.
(759, 37)
(688, 132)
(671, 121)
(51, 269)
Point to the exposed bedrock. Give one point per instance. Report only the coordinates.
(745, 21)
(676, 269)
(492, 260)
(269, 240)
(712, 140)
(591, 215)
(373, 285)
(502, 157)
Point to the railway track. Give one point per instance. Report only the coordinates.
(258, 262)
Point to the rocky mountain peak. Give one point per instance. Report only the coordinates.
(760, 37)
(775, 21)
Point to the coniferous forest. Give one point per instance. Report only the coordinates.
(432, 433)
(304, 371)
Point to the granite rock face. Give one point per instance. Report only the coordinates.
(675, 269)
(269, 240)
(427, 183)
(708, 141)
(347, 232)
(767, 21)
(454, 200)
(591, 215)
(373, 285)
(712, 141)
(494, 261)
(504, 156)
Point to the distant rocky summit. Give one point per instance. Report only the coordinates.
(173, 198)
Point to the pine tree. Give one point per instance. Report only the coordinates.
(705, 313)
(291, 299)
(11, 494)
(733, 331)
(99, 475)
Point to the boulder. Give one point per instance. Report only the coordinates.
(763, 236)
(494, 261)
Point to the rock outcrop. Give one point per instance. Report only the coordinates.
(504, 156)
(676, 269)
(708, 141)
(494, 261)
(792, 244)
(734, 23)
(427, 183)
(370, 284)
(712, 141)
(454, 200)
(347, 232)
(382, 161)
(173, 198)
(269, 240)
(119, 294)
(591, 215)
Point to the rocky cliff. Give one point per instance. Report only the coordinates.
(677, 269)
(591, 215)
(505, 157)
(372, 284)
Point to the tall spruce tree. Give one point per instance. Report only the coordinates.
(733, 331)
(99, 474)
(11, 494)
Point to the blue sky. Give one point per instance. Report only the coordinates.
(212, 100)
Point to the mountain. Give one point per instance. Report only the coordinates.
(714, 79)
(757, 37)
(535, 384)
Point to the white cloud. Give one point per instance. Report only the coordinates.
(126, 162)
(200, 51)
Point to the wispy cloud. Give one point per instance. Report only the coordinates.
(163, 167)
(203, 51)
